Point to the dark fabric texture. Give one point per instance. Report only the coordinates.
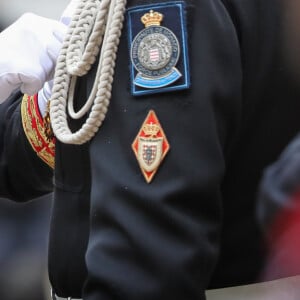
(113, 236)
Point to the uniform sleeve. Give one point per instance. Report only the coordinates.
(279, 212)
(161, 240)
(24, 175)
(279, 185)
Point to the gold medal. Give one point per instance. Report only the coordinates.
(150, 146)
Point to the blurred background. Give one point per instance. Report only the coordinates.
(10, 10)
(24, 227)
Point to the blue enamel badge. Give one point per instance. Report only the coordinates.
(158, 48)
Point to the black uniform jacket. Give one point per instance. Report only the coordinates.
(114, 236)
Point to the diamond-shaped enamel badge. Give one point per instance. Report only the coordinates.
(150, 146)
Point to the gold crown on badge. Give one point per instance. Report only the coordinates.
(151, 129)
(152, 18)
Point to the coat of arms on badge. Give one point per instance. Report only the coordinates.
(159, 60)
(150, 146)
(154, 53)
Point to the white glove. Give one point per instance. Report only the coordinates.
(44, 96)
(28, 53)
(69, 11)
(45, 93)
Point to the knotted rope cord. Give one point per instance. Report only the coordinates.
(93, 22)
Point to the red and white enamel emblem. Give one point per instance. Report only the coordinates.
(150, 146)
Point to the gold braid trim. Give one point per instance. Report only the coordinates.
(34, 129)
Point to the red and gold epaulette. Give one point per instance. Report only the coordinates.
(35, 130)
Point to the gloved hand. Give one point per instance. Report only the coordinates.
(69, 11)
(28, 53)
(45, 93)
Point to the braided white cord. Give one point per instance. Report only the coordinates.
(93, 22)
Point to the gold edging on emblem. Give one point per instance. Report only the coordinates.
(47, 124)
(35, 132)
(157, 134)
